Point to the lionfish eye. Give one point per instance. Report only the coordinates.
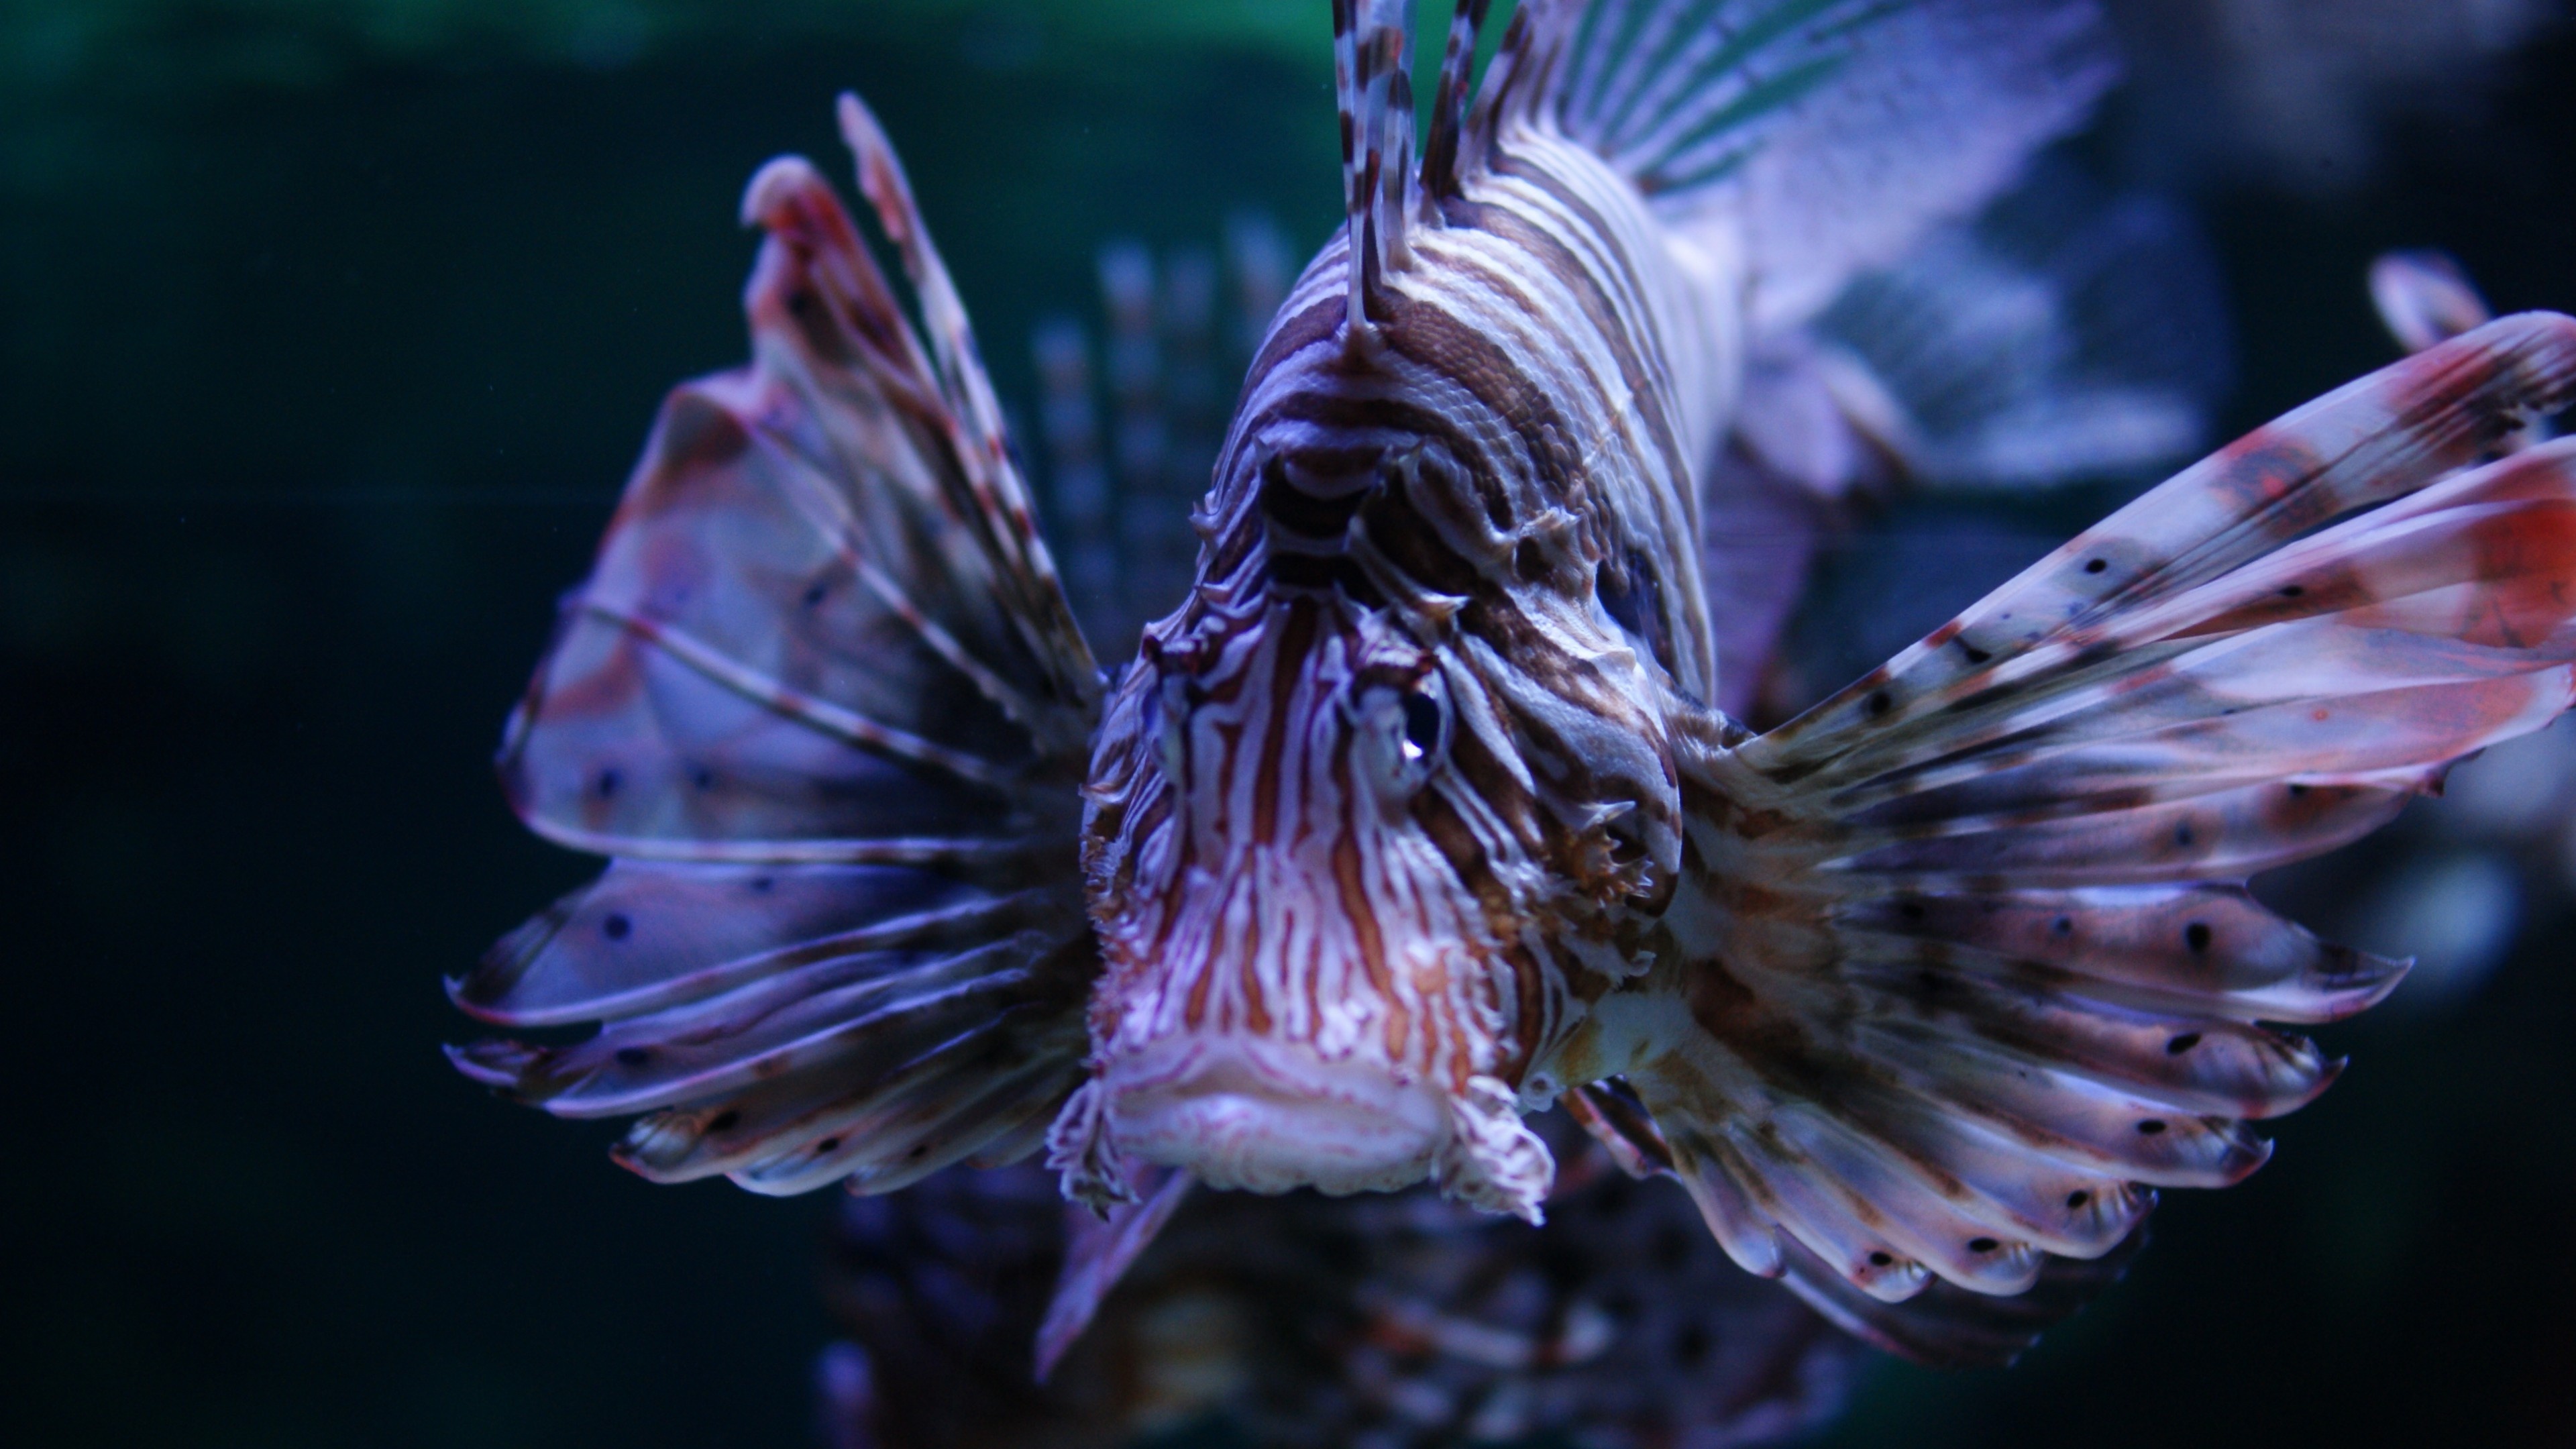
(1421, 726)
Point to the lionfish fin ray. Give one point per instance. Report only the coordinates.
(1441, 154)
(1098, 1252)
(1947, 1327)
(2425, 298)
(1974, 967)
(794, 1025)
(1381, 191)
(824, 702)
(2069, 332)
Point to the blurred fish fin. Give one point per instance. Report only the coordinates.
(823, 698)
(1814, 139)
(794, 1024)
(2069, 333)
(1099, 1249)
(2425, 297)
(1760, 532)
(1946, 1326)
(1968, 963)
(1373, 86)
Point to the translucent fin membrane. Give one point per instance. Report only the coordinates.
(1814, 138)
(823, 698)
(1980, 966)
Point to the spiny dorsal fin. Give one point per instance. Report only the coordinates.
(1373, 82)
(1449, 108)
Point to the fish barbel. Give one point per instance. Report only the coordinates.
(1418, 814)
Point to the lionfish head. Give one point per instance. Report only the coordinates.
(1335, 905)
(1303, 986)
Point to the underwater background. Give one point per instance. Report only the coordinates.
(328, 331)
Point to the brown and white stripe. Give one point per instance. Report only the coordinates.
(1461, 482)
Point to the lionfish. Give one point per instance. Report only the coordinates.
(1423, 810)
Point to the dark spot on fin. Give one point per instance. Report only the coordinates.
(1948, 1326)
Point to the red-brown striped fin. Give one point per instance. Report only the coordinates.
(1977, 966)
(2425, 298)
(2385, 435)
(823, 699)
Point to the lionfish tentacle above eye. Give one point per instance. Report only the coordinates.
(822, 699)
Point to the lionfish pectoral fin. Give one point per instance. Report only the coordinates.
(2425, 298)
(1609, 1112)
(823, 701)
(1098, 1252)
(1946, 1326)
(1979, 967)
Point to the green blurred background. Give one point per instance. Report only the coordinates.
(328, 329)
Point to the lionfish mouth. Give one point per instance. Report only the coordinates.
(1264, 1115)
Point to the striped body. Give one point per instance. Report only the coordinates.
(1373, 803)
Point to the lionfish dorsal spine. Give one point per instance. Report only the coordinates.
(1373, 87)
(1440, 147)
